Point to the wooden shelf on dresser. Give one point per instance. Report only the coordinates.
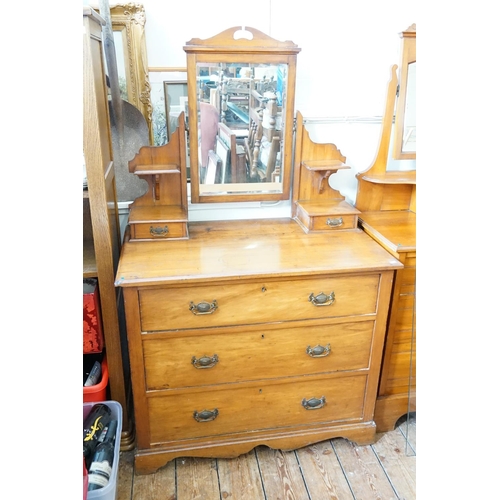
(253, 332)
(316, 205)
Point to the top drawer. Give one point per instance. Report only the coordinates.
(258, 302)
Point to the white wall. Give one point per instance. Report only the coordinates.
(343, 68)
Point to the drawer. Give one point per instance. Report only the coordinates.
(158, 231)
(334, 222)
(264, 301)
(249, 407)
(193, 361)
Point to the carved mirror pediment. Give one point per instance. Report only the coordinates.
(241, 91)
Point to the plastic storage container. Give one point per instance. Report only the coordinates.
(97, 392)
(109, 491)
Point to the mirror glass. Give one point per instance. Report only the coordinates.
(409, 142)
(240, 118)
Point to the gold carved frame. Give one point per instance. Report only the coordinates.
(129, 19)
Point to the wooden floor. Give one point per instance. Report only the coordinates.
(333, 469)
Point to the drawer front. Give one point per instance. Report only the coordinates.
(247, 408)
(334, 222)
(158, 230)
(259, 302)
(193, 361)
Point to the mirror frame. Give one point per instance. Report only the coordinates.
(130, 19)
(408, 56)
(224, 48)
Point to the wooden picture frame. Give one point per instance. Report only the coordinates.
(224, 153)
(214, 168)
(174, 91)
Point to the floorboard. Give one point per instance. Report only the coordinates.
(335, 469)
(323, 472)
(239, 478)
(281, 474)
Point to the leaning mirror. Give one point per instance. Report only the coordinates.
(405, 139)
(241, 91)
(128, 24)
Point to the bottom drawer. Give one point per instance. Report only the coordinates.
(219, 410)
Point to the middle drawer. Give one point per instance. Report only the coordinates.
(183, 307)
(207, 359)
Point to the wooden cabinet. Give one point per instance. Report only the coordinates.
(101, 230)
(387, 201)
(253, 332)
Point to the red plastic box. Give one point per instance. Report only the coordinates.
(98, 392)
(85, 481)
(93, 339)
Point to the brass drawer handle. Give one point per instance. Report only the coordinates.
(158, 232)
(203, 307)
(337, 222)
(322, 299)
(205, 361)
(319, 351)
(205, 415)
(314, 403)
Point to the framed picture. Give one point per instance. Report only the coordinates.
(214, 168)
(175, 92)
(224, 153)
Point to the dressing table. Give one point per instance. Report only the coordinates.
(251, 332)
(386, 198)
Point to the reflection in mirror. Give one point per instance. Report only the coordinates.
(405, 126)
(410, 121)
(175, 93)
(120, 63)
(240, 108)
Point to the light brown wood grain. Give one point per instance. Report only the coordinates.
(398, 463)
(197, 479)
(250, 354)
(125, 478)
(312, 472)
(161, 485)
(319, 461)
(257, 302)
(281, 474)
(363, 471)
(240, 478)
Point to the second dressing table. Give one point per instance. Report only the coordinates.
(251, 332)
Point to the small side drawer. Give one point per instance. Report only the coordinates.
(193, 361)
(158, 230)
(259, 302)
(334, 222)
(225, 410)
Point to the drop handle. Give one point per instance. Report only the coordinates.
(205, 361)
(206, 415)
(203, 307)
(322, 299)
(318, 351)
(335, 222)
(158, 232)
(314, 403)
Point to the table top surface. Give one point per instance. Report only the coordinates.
(233, 250)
